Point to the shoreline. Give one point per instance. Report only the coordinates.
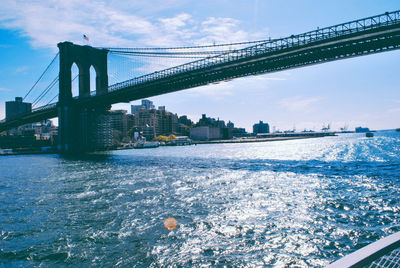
(29, 153)
(240, 140)
(281, 138)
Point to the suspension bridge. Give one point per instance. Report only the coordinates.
(127, 74)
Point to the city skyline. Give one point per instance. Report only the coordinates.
(355, 92)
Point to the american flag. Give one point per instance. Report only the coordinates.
(85, 37)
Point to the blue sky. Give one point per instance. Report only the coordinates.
(359, 91)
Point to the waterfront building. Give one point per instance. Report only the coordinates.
(205, 133)
(183, 129)
(226, 133)
(261, 127)
(185, 121)
(362, 129)
(211, 129)
(17, 107)
(211, 122)
(156, 122)
(14, 109)
(44, 130)
(110, 128)
(239, 132)
(184, 125)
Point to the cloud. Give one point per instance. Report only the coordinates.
(174, 23)
(113, 23)
(4, 89)
(394, 111)
(46, 23)
(225, 30)
(299, 103)
(216, 91)
(21, 69)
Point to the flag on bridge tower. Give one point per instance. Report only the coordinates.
(86, 37)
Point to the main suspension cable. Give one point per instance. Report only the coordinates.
(170, 53)
(187, 47)
(159, 56)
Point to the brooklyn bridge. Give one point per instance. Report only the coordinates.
(204, 65)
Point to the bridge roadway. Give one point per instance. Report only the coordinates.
(361, 37)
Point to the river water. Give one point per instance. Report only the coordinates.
(287, 203)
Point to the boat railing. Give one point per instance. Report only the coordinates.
(382, 253)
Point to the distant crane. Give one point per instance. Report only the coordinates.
(326, 128)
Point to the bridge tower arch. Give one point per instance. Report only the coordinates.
(84, 57)
(93, 78)
(74, 121)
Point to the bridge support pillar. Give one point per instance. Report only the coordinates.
(75, 120)
(73, 130)
(76, 129)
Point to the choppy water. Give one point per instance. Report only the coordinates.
(288, 203)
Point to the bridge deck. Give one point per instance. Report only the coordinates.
(360, 37)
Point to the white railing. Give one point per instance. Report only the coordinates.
(382, 253)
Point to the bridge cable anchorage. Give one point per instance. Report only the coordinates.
(44, 92)
(41, 76)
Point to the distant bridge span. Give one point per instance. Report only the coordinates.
(356, 38)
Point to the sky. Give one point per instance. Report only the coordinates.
(361, 91)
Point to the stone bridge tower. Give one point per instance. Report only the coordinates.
(74, 119)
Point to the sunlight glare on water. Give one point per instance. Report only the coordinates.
(301, 203)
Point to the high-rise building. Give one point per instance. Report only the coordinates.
(17, 107)
(261, 127)
(14, 109)
(156, 122)
(146, 105)
(110, 128)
